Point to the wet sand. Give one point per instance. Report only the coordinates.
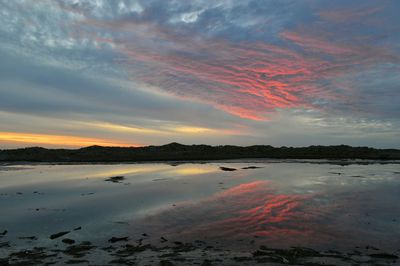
(196, 253)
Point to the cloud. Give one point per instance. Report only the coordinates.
(350, 15)
(249, 209)
(249, 80)
(316, 44)
(218, 67)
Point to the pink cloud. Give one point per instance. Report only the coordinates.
(349, 15)
(247, 79)
(316, 44)
(243, 211)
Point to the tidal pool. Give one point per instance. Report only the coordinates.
(277, 204)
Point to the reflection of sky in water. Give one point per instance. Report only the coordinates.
(281, 204)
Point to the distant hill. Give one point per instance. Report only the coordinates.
(176, 152)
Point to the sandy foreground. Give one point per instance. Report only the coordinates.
(124, 251)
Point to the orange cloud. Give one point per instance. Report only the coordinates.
(56, 140)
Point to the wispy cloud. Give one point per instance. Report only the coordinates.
(343, 15)
(247, 79)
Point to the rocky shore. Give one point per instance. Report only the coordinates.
(121, 250)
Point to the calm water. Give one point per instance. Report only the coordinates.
(323, 206)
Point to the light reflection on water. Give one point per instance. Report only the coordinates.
(281, 204)
(246, 210)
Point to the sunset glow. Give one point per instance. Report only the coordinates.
(27, 138)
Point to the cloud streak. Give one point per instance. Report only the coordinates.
(247, 79)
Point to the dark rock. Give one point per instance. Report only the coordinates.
(78, 228)
(200, 242)
(166, 255)
(115, 179)
(121, 222)
(4, 245)
(77, 262)
(4, 261)
(371, 247)
(227, 169)
(122, 261)
(68, 241)
(109, 248)
(57, 235)
(166, 263)
(118, 239)
(87, 194)
(160, 179)
(180, 247)
(240, 259)
(259, 253)
(251, 167)
(130, 250)
(207, 263)
(28, 237)
(33, 256)
(384, 256)
(303, 252)
(79, 250)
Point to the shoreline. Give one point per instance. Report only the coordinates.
(180, 152)
(343, 162)
(125, 251)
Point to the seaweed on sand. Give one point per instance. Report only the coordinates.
(115, 179)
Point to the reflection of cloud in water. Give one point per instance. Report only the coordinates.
(253, 208)
(186, 170)
(246, 210)
(333, 218)
(161, 169)
(131, 170)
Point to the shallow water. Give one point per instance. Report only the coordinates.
(281, 204)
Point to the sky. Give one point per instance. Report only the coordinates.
(77, 73)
